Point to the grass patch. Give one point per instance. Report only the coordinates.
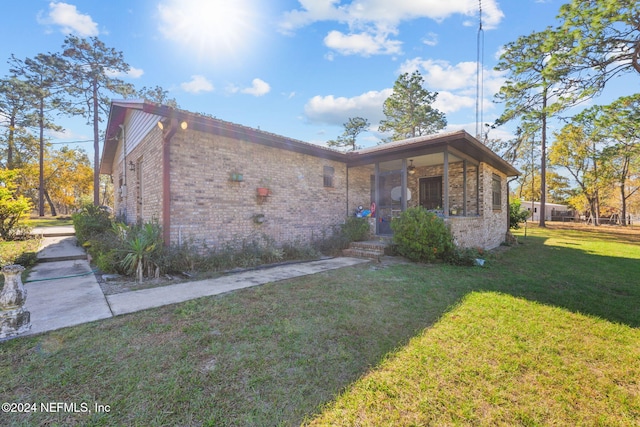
(21, 252)
(49, 221)
(500, 360)
(556, 315)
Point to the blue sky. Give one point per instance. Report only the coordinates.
(295, 68)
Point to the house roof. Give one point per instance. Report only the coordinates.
(118, 113)
(460, 142)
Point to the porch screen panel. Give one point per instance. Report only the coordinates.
(388, 207)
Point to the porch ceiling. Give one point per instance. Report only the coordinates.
(428, 148)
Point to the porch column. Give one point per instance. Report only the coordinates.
(376, 196)
(403, 186)
(445, 184)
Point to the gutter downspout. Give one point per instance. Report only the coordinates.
(124, 170)
(167, 134)
(509, 204)
(347, 167)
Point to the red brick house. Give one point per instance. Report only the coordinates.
(199, 177)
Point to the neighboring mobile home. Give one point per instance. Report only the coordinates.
(199, 177)
(553, 211)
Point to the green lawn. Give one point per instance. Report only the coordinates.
(546, 333)
(500, 360)
(49, 221)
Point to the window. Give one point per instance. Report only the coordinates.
(431, 192)
(121, 188)
(496, 192)
(327, 176)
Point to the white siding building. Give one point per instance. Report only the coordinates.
(552, 210)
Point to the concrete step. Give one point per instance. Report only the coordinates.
(362, 253)
(60, 248)
(56, 234)
(61, 258)
(60, 231)
(374, 246)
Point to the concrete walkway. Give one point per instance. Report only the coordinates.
(62, 290)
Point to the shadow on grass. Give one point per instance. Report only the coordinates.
(572, 275)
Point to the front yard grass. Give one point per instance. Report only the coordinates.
(546, 333)
(49, 221)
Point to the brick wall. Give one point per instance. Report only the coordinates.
(141, 197)
(487, 231)
(485, 228)
(456, 185)
(360, 187)
(209, 207)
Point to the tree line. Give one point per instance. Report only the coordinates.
(551, 71)
(547, 73)
(79, 80)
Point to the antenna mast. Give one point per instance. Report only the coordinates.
(479, 74)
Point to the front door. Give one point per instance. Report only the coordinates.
(431, 192)
(389, 204)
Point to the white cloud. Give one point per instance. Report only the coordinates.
(133, 73)
(72, 22)
(442, 74)
(456, 85)
(431, 39)
(456, 82)
(337, 110)
(258, 88)
(448, 102)
(197, 84)
(365, 44)
(370, 22)
(231, 88)
(312, 11)
(383, 13)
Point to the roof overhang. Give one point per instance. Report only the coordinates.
(459, 143)
(120, 109)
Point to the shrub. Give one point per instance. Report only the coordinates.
(13, 208)
(91, 221)
(109, 261)
(26, 259)
(142, 250)
(421, 235)
(516, 216)
(330, 242)
(355, 229)
(19, 232)
(299, 251)
(182, 258)
(464, 256)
